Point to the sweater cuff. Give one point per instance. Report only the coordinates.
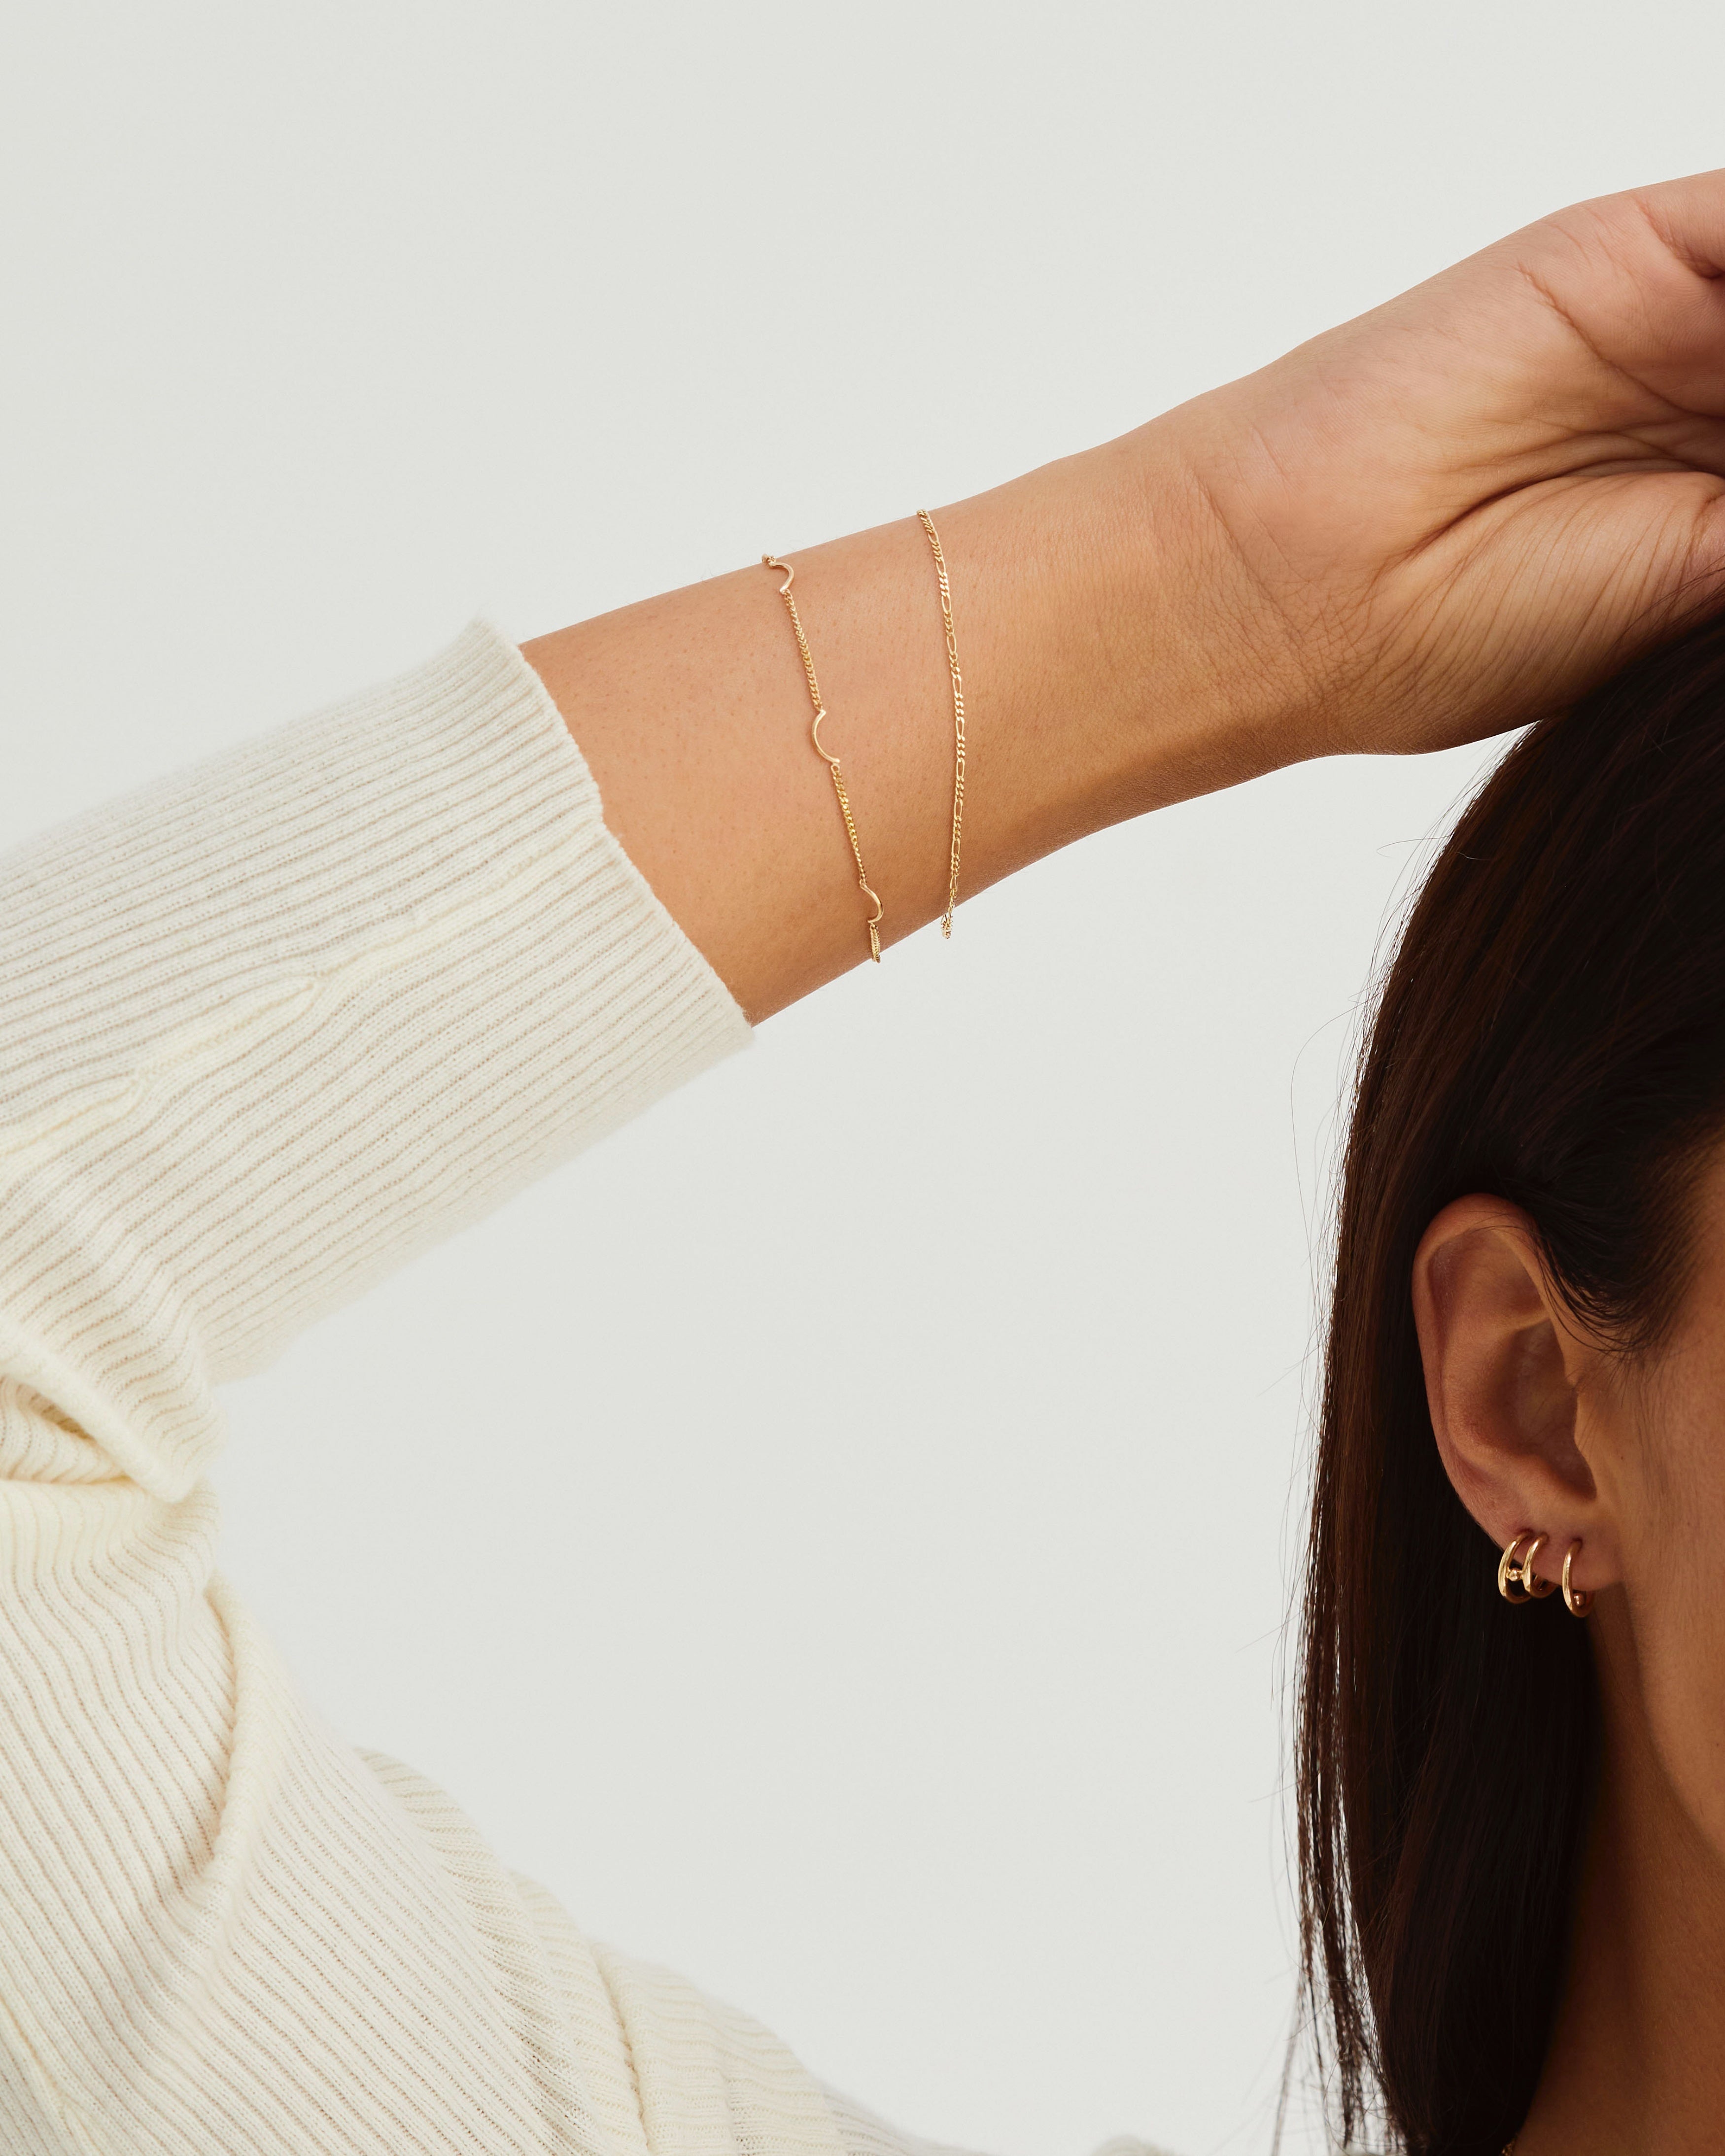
(276, 1023)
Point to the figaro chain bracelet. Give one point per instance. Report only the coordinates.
(940, 571)
(819, 709)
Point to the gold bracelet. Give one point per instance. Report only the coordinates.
(772, 562)
(940, 570)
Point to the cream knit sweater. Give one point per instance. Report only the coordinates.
(271, 1025)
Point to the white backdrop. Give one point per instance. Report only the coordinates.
(891, 1446)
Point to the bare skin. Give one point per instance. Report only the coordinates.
(1536, 1421)
(1446, 518)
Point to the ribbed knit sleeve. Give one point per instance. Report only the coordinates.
(267, 1028)
(270, 1025)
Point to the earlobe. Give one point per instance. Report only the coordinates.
(1506, 1371)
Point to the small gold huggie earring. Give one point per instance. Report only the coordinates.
(1576, 1600)
(1516, 1580)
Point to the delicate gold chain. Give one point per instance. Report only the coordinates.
(940, 571)
(772, 562)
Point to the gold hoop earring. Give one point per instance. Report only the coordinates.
(1512, 1580)
(1576, 1600)
(1509, 1570)
(1516, 1579)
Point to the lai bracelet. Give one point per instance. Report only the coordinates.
(872, 923)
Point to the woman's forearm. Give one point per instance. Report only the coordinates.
(1450, 516)
(1097, 685)
(280, 1021)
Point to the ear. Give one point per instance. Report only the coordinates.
(1512, 1384)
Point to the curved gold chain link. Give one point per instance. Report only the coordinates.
(831, 762)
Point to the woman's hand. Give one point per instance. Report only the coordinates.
(1449, 517)
(1458, 512)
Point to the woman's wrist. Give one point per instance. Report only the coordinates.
(1137, 658)
(1104, 633)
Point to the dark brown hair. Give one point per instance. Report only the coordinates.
(1552, 1031)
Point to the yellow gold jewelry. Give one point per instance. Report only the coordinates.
(940, 571)
(1511, 1584)
(1576, 1600)
(1516, 1582)
(873, 924)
